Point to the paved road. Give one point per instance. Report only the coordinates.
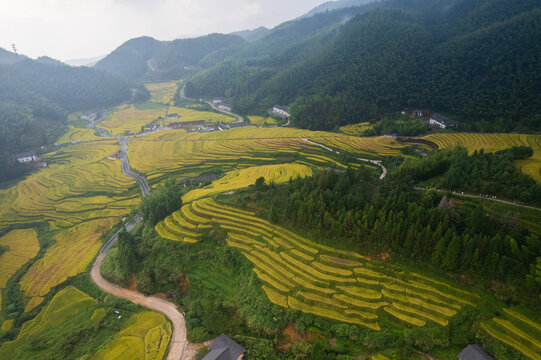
(239, 118)
(478, 197)
(179, 348)
(375, 162)
(126, 166)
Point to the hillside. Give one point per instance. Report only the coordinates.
(146, 58)
(36, 95)
(475, 60)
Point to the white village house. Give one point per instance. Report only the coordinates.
(282, 111)
(25, 157)
(225, 106)
(218, 100)
(442, 121)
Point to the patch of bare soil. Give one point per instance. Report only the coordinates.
(293, 337)
(133, 284)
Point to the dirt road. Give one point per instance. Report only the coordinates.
(179, 348)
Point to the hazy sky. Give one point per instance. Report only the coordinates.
(68, 29)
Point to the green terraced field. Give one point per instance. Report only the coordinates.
(313, 278)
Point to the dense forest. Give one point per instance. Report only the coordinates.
(357, 211)
(37, 95)
(477, 60)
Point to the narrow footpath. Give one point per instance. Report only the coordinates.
(179, 348)
(375, 162)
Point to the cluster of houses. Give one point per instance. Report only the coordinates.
(219, 102)
(88, 117)
(436, 119)
(279, 110)
(29, 157)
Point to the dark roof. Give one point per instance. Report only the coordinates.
(224, 104)
(223, 348)
(474, 352)
(25, 154)
(444, 120)
(172, 115)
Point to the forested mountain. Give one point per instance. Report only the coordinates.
(252, 35)
(36, 96)
(7, 57)
(334, 5)
(476, 60)
(146, 58)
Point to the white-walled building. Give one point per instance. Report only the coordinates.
(442, 121)
(25, 157)
(282, 111)
(225, 106)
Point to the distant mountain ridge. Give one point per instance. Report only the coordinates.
(146, 58)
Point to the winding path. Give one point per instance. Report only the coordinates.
(179, 347)
(478, 197)
(375, 162)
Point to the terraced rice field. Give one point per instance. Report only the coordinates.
(300, 274)
(261, 120)
(78, 134)
(196, 115)
(517, 331)
(162, 92)
(146, 338)
(22, 246)
(80, 194)
(69, 309)
(80, 184)
(238, 179)
(187, 154)
(495, 142)
(70, 255)
(356, 129)
(130, 118)
(373, 146)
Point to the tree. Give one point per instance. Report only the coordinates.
(161, 202)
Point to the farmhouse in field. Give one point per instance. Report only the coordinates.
(225, 106)
(25, 157)
(282, 111)
(442, 121)
(172, 116)
(474, 352)
(223, 348)
(218, 100)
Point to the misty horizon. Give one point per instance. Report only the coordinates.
(73, 31)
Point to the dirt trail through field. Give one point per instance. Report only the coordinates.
(180, 348)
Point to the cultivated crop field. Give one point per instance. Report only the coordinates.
(261, 120)
(238, 179)
(356, 129)
(81, 194)
(162, 92)
(73, 250)
(371, 146)
(71, 311)
(78, 134)
(195, 115)
(495, 142)
(187, 154)
(130, 118)
(146, 338)
(300, 274)
(517, 331)
(22, 246)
